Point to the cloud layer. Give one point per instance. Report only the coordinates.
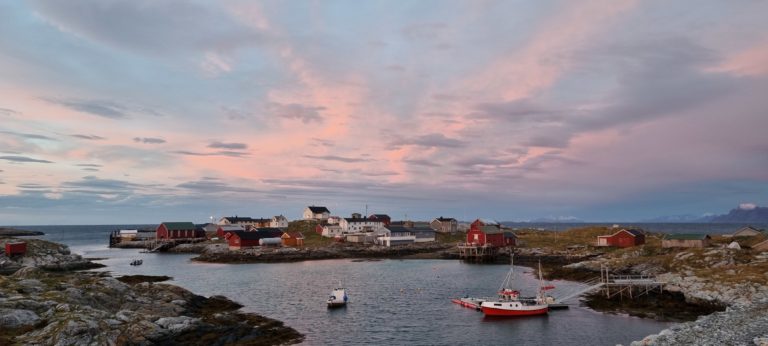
(603, 110)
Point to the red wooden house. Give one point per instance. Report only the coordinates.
(16, 248)
(622, 238)
(293, 239)
(240, 239)
(492, 236)
(179, 230)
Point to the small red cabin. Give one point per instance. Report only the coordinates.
(477, 224)
(622, 238)
(179, 230)
(17, 248)
(240, 239)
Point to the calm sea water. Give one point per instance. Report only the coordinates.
(392, 302)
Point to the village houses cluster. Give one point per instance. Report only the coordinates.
(242, 232)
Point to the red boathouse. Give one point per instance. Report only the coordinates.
(179, 230)
(491, 235)
(622, 238)
(18, 248)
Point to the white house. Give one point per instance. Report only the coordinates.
(278, 221)
(331, 231)
(360, 224)
(334, 220)
(396, 235)
(316, 213)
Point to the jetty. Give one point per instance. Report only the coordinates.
(612, 285)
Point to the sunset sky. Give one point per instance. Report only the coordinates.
(150, 111)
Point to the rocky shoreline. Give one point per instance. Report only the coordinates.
(219, 253)
(44, 302)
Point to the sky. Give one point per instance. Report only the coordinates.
(148, 111)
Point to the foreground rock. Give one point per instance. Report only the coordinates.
(45, 255)
(738, 325)
(220, 254)
(79, 308)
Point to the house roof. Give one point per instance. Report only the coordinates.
(686, 236)
(509, 234)
(632, 232)
(226, 228)
(491, 230)
(488, 222)
(360, 219)
(179, 226)
(379, 216)
(748, 229)
(279, 217)
(398, 229)
(318, 210)
(444, 219)
(243, 235)
(239, 219)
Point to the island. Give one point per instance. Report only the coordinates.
(13, 232)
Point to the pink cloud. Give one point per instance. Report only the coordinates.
(752, 61)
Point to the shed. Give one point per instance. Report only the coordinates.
(622, 238)
(241, 239)
(15, 248)
(747, 231)
(686, 240)
(293, 239)
(179, 230)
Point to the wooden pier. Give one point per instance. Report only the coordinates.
(476, 252)
(631, 286)
(612, 285)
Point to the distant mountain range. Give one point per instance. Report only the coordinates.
(745, 213)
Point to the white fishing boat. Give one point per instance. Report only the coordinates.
(338, 298)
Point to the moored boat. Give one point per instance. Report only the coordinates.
(338, 298)
(137, 262)
(509, 302)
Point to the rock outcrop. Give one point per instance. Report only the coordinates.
(87, 308)
(738, 325)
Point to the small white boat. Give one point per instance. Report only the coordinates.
(137, 262)
(338, 298)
